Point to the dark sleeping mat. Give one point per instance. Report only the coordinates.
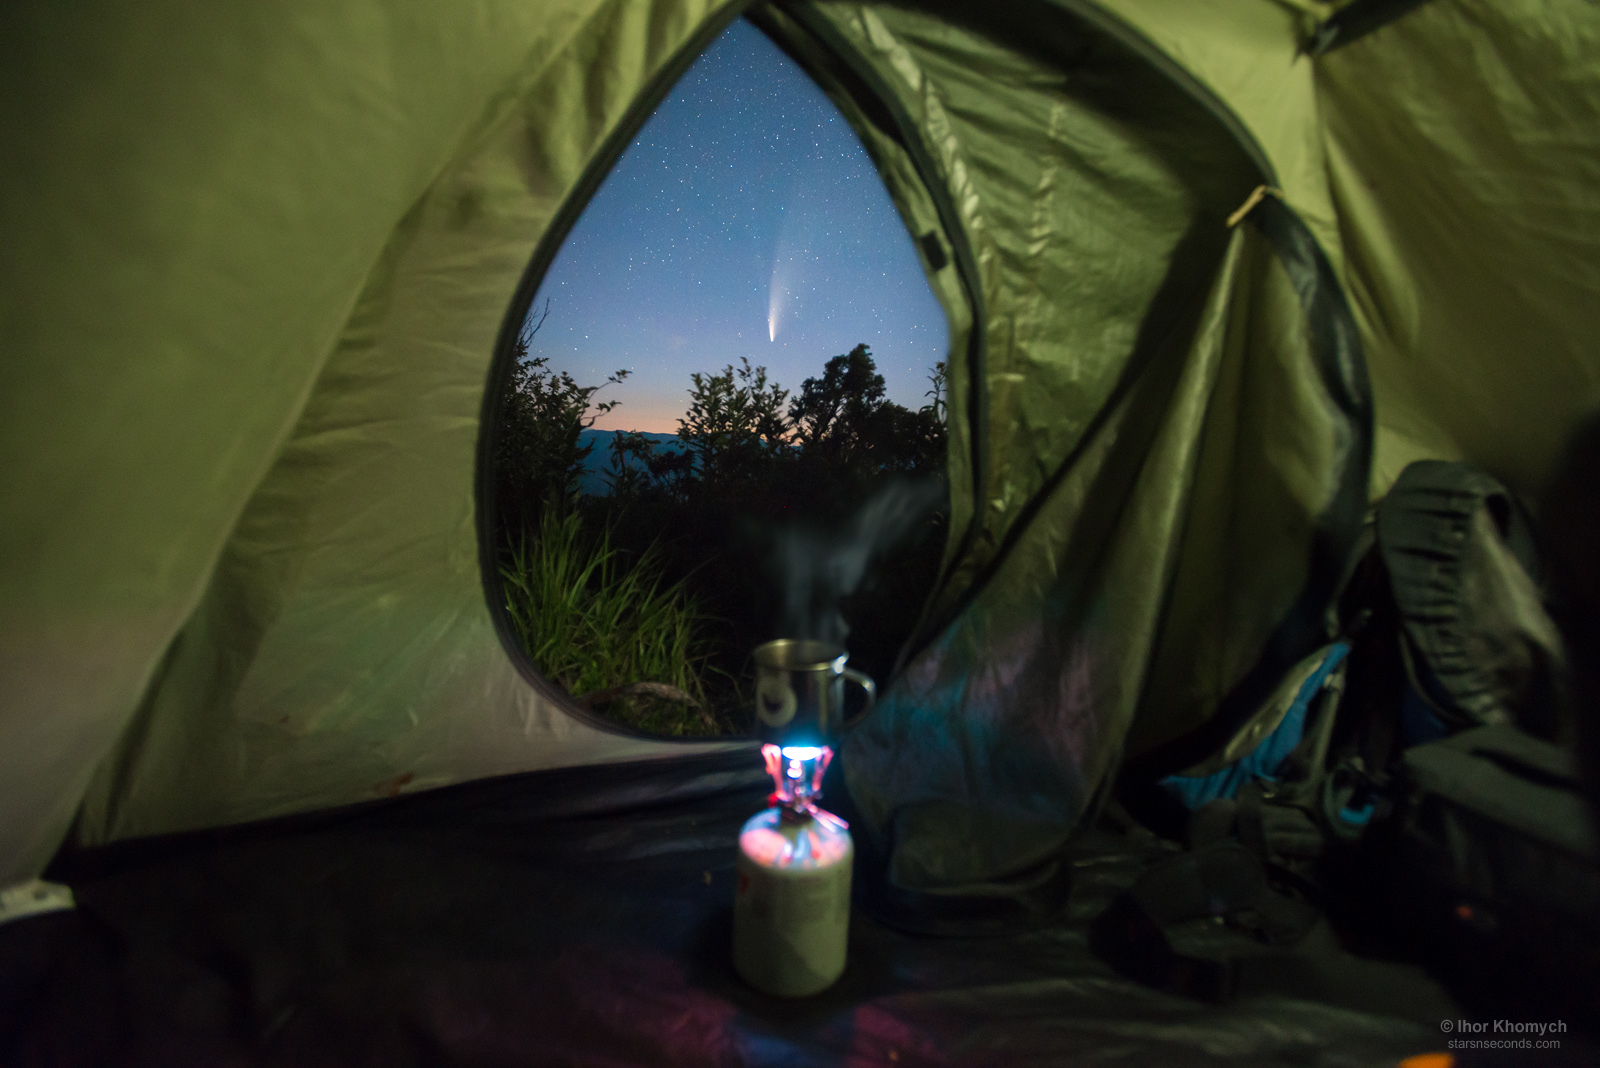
(577, 917)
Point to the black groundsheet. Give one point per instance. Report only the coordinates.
(583, 917)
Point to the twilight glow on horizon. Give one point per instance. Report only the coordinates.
(745, 220)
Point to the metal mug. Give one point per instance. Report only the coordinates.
(800, 691)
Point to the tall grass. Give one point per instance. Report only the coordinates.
(594, 620)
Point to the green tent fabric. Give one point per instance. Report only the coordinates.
(257, 262)
(256, 265)
(1462, 152)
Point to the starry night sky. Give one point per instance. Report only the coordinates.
(744, 220)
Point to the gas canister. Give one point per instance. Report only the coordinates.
(791, 912)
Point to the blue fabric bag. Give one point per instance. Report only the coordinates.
(1265, 762)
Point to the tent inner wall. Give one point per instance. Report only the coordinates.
(343, 649)
(1078, 175)
(1157, 449)
(194, 199)
(1158, 436)
(1463, 147)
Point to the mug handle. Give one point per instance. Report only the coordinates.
(862, 679)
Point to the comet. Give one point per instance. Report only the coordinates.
(788, 259)
(776, 294)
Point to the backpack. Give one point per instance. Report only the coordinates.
(1403, 777)
(1464, 576)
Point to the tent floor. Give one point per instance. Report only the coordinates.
(580, 917)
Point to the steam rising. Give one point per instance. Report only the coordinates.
(821, 567)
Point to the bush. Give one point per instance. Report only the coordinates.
(735, 427)
(608, 630)
(539, 449)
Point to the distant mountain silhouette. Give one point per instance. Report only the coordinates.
(595, 469)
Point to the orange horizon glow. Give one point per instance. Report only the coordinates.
(639, 421)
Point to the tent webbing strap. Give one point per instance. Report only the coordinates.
(1251, 201)
(1355, 21)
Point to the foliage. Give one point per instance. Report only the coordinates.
(843, 421)
(593, 620)
(940, 380)
(539, 453)
(741, 444)
(836, 416)
(631, 456)
(735, 424)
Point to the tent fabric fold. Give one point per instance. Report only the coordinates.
(1092, 578)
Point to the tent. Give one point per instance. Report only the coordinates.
(1215, 273)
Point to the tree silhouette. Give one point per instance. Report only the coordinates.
(834, 415)
(843, 421)
(539, 451)
(734, 424)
